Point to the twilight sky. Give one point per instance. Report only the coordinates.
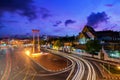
(57, 17)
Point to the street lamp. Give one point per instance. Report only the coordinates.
(27, 53)
(118, 67)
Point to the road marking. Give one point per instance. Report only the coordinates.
(18, 74)
(78, 60)
(7, 68)
(26, 75)
(34, 73)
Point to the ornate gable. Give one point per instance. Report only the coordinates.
(87, 32)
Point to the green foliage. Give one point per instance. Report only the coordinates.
(93, 46)
(42, 42)
(58, 43)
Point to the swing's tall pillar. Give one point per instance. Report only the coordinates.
(36, 41)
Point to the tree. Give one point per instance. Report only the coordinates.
(42, 42)
(93, 46)
(58, 44)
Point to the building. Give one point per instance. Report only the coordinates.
(88, 33)
(110, 39)
(108, 36)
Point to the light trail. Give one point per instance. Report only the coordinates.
(55, 72)
(26, 74)
(7, 68)
(91, 72)
(77, 69)
(34, 73)
(15, 76)
(82, 65)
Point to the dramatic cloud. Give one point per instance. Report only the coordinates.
(96, 18)
(23, 7)
(57, 23)
(69, 21)
(45, 13)
(109, 5)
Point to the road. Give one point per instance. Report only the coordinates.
(82, 69)
(15, 65)
(87, 68)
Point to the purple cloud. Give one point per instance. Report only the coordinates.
(45, 13)
(69, 21)
(96, 18)
(23, 7)
(57, 23)
(109, 5)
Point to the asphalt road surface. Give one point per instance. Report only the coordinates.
(86, 68)
(15, 65)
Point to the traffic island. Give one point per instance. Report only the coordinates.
(51, 62)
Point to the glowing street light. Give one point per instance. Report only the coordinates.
(118, 67)
(27, 53)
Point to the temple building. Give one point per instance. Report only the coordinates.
(110, 39)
